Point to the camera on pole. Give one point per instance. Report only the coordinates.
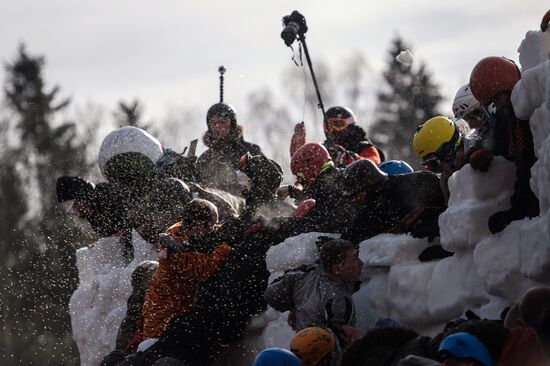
(295, 27)
(294, 24)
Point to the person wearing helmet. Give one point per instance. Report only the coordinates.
(392, 167)
(464, 349)
(313, 346)
(391, 203)
(345, 140)
(319, 179)
(440, 145)
(466, 107)
(265, 176)
(217, 167)
(503, 134)
(162, 208)
(276, 357)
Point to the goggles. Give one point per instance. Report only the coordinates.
(477, 113)
(337, 124)
(302, 176)
(447, 151)
(432, 165)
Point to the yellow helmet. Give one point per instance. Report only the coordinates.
(311, 345)
(433, 135)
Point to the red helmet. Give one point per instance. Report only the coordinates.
(493, 75)
(308, 161)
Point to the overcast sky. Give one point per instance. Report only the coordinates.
(167, 52)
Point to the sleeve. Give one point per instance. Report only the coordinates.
(280, 293)
(202, 265)
(370, 153)
(339, 311)
(296, 143)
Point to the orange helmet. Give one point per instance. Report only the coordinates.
(308, 162)
(493, 75)
(311, 345)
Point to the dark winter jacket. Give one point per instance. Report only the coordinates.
(265, 177)
(387, 346)
(217, 166)
(331, 210)
(352, 144)
(141, 277)
(405, 203)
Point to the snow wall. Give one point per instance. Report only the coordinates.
(486, 273)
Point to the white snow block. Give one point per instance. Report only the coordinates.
(534, 49)
(530, 91)
(294, 252)
(371, 300)
(455, 287)
(475, 196)
(498, 261)
(408, 292)
(98, 305)
(535, 248)
(391, 249)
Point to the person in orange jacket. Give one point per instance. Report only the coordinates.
(181, 271)
(346, 141)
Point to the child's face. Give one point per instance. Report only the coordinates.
(350, 268)
(199, 228)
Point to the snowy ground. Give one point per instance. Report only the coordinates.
(487, 272)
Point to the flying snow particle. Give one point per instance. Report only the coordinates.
(405, 58)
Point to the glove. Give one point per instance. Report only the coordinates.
(170, 244)
(481, 160)
(113, 358)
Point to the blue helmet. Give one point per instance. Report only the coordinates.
(393, 167)
(465, 346)
(276, 357)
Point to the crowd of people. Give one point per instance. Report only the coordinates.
(212, 219)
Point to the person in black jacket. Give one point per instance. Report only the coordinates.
(265, 177)
(217, 167)
(391, 203)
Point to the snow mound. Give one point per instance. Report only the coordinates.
(98, 305)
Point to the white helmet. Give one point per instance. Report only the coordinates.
(464, 102)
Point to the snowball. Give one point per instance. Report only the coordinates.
(474, 197)
(405, 58)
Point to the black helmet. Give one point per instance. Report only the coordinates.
(222, 110)
(362, 175)
(340, 112)
(170, 191)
